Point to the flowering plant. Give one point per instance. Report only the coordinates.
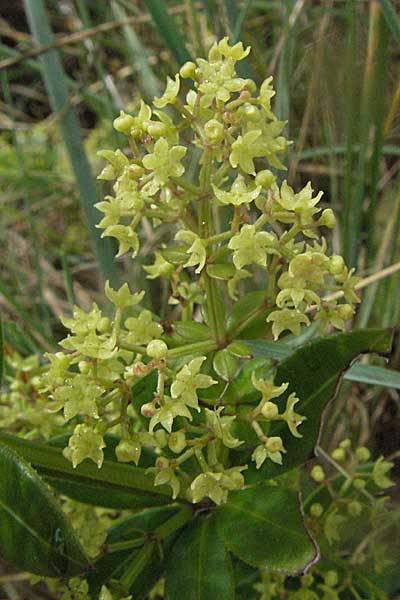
(189, 420)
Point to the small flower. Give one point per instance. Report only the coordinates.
(197, 249)
(216, 485)
(141, 329)
(165, 475)
(250, 246)
(85, 443)
(292, 418)
(166, 414)
(220, 427)
(302, 201)
(381, 467)
(165, 162)
(126, 236)
(188, 379)
(117, 163)
(78, 397)
(272, 448)
(160, 268)
(267, 387)
(238, 194)
(170, 94)
(287, 319)
(123, 298)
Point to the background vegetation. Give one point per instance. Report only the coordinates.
(336, 70)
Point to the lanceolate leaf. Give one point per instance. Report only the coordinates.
(262, 525)
(34, 534)
(133, 544)
(1, 351)
(120, 480)
(199, 566)
(313, 373)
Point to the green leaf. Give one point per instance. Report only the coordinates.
(221, 271)
(114, 477)
(313, 373)
(70, 130)
(199, 566)
(249, 309)
(1, 351)
(131, 531)
(35, 536)
(263, 526)
(192, 331)
(225, 365)
(370, 374)
(391, 17)
(168, 30)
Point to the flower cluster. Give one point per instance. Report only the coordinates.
(199, 158)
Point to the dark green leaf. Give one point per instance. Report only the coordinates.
(392, 18)
(168, 29)
(361, 373)
(115, 477)
(225, 365)
(263, 526)
(313, 373)
(249, 308)
(1, 351)
(116, 562)
(199, 567)
(192, 331)
(221, 271)
(35, 536)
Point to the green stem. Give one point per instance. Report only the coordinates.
(196, 347)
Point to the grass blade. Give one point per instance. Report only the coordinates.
(70, 129)
(148, 81)
(168, 30)
(391, 17)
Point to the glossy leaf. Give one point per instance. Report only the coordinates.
(222, 271)
(113, 480)
(370, 374)
(251, 305)
(35, 535)
(192, 331)
(225, 364)
(199, 566)
(313, 373)
(133, 530)
(263, 526)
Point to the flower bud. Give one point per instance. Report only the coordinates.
(251, 112)
(274, 444)
(336, 264)
(124, 123)
(84, 367)
(317, 474)
(128, 451)
(103, 325)
(161, 437)
(148, 409)
(188, 70)
(137, 204)
(331, 578)
(345, 311)
(338, 454)
(156, 130)
(316, 509)
(359, 484)
(363, 454)
(177, 441)
(135, 171)
(265, 178)
(345, 444)
(250, 86)
(270, 410)
(327, 218)
(214, 130)
(354, 508)
(157, 349)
